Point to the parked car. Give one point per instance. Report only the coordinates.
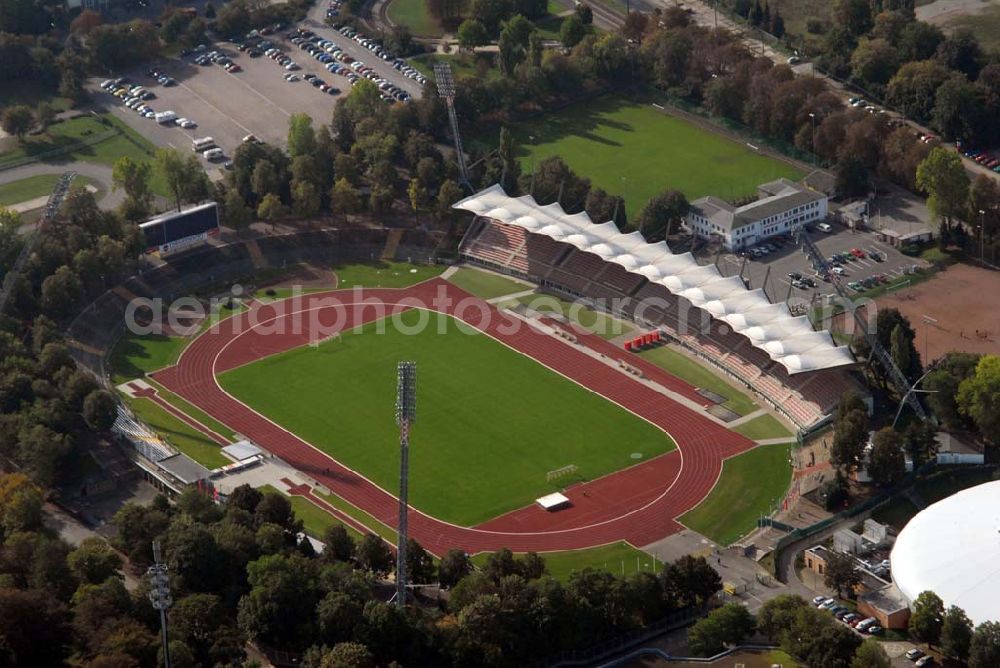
(914, 654)
(924, 661)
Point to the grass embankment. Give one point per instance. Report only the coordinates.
(486, 285)
(697, 375)
(748, 488)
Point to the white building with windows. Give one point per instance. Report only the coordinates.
(782, 206)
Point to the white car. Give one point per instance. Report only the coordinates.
(187, 123)
(292, 66)
(290, 77)
(839, 271)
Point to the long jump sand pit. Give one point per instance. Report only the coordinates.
(955, 310)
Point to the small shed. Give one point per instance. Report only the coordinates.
(553, 501)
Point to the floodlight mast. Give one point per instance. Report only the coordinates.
(406, 414)
(160, 597)
(446, 90)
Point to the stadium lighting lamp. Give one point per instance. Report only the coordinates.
(406, 414)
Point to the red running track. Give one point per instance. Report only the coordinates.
(638, 504)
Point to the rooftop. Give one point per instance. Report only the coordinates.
(888, 599)
(777, 197)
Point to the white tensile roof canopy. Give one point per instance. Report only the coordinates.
(953, 549)
(793, 342)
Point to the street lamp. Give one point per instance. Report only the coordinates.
(812, 119)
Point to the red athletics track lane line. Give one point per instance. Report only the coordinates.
(703, 443)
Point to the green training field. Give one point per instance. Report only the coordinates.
(137, 355)
(632, 149)
(601, 324)
(763, 426)
(750, 485)
(486, 285)
(414, 15)
(491, 422)
(384, 274)
(689, 370)
(619, 558)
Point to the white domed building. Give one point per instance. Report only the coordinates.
(953, 549)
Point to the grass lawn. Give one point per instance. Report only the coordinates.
(384, 274)
(481, 446)
(749, 487)
(486, 285)
(414, 15)
(896, 512)
(617, 557)
(188, 440)
(689, 370)
(374, 526)
(135, 355)
(462, 65)
(599, 323)
(631, 149)
(985, 25)
(41, 185)
(765, 426)
(192, 411)
(315, 520)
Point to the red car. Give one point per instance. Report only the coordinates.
(858, 253)
(233, 67)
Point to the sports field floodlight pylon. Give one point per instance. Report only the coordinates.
(406, 414)
(160, 597)
(446, 90)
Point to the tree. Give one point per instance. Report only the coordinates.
(572, 30)
(777, 614)
(942, 176)
(851, 176)
(185, 178)
(984, 650)
(301, 136)
(849, 437)
(348, 655)
(100, 410)
(305, 199)
(133, 177)
(926, 617)
(374, 556)
(886, 463)
(690, 580)
(93, 561)
(873, 62)
(60, 291)
(276, 509)
(662, 212)
(913, 88)
(491, 13)
(344, 198)
(871, 655)
(419, 564)
(235, 212)
(454, 566)
(339, 544)
(840, 573)
(854, 16)
(449, 193)
(729, 625)
(34, 629)
(899, 348)
(472, 33)
(961, 51)
(265, 179)
(510, 167)
(956, 634)
(585, 13)
(417, 194)
(20, 504)
(17, 120)
(979, 397)
(45, 115)
(960, 111)
(513, 43)
(271, 209)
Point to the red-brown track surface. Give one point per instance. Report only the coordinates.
(638, 504)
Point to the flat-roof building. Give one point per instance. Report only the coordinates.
(782, 206)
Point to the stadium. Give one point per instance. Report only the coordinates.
(516, 404)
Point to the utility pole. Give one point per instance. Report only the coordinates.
(159, 596)
(406, 413)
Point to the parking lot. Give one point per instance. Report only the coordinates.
(790, 258)
(257, 100)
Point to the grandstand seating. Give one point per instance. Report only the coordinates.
(803, 398)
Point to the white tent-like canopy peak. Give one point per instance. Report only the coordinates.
(789, 340)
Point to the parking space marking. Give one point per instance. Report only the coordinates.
(219, 111)
(259, 94)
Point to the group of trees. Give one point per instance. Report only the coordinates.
(951, 630)
(965, 393)
(242, 571)
(47, 405)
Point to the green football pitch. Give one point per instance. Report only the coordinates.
(632, 149)
(491, 422)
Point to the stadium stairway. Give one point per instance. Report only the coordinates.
(256, 256)
(392, 244)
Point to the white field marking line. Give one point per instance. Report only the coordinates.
(680, 450)
(219, 111)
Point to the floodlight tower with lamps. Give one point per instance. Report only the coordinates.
(406, 414)
(159, 596)
(446, 90)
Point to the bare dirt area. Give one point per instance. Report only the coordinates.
(954, 310)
